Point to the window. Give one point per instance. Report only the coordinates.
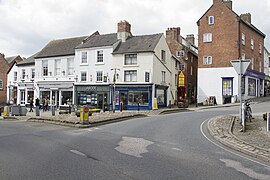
(207, 60)
(57, 67)
(99, 76)
(130, 59)
(243, 56)
(163, 55)
(207, 37)
(260, 66)
(147, 76)
(260, 48)
(70, 66)
(32, 73)
(23, 74)
(84, 58)
(252, 63)
(163, 76)
(176, 79)
(182, 67)
(227, 87)
(1, 84)
(243, 39)
(252, 44)
(191, 70)
(100, 56)
(180, 53)
(251, 87)
(45, 68)
(83, 76)
(269, 62)
(130, 76)
(135, 96)
(211, 20)
(15, 76)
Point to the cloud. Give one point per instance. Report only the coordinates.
(28, 25)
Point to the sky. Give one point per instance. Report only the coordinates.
(26, 26)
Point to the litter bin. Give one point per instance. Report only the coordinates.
(84, 115)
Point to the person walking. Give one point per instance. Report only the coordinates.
(43, 104)
(46, 104)
(37, 103)
(31, 105)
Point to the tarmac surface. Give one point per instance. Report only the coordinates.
(225, 129)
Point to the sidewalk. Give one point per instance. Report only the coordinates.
(254, 142)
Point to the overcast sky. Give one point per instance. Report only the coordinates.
(26, 26)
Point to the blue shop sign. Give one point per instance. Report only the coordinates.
(254, 74)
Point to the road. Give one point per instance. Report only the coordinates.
(157, 147)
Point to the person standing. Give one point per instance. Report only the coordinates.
(31, 105)
(46, 104)
(37, 103)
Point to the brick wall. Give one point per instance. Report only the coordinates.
(3, 76)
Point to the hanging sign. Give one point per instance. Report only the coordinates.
(181, 79)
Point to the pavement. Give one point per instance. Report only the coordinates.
(225, 129)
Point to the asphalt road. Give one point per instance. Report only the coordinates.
(158, 147)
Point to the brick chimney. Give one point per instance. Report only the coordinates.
(217, 1)
(190, 38)
(228, 3)
(173, 34)
(123, 30)
(246, 17)
(3, 55)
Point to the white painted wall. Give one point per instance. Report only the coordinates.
(210, 82)
(266, 63)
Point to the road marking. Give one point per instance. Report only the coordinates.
(133, 146)
(78, 152)
(96, 128)
(89, 130)
(201, 128)
(177, 149)
(240, 168)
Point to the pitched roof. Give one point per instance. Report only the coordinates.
(135, 44)
(29, 61)
(60, 47)
(99, 41)
(11, 59)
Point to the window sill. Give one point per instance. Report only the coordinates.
(131, 65)
(99, 63)
(84, 64)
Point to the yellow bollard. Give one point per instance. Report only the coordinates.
(81, 115)
(6, 111)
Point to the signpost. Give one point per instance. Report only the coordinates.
(240, 66)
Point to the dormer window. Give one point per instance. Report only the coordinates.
(211, 20)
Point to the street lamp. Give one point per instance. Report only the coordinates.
(114, 80)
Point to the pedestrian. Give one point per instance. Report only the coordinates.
(31, 105)
(43, 104)
(46, 104)
(37, 103)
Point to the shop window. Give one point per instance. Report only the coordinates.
(160, 97)
(67, 97)
(22, 97)
(100, 56)
(251, 87)
(227, 86)
(130, 59)
(138, 96)
(130, 76)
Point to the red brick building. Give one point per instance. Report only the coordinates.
(186, 60)
(226, 36)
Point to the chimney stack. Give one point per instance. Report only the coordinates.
(123, 30)
(246, 17)
(173, 34)
(228, 3)
(190, 38)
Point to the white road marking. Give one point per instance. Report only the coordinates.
(89, 130)
(133, 146)
(228, 149)
(96, 128)
(177, 149)
(240, 168)
(78, 153)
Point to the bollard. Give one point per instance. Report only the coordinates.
(0, 111)
(37, 111)
(53, 110)
(6, 111)
(84, 115)
(121, 106)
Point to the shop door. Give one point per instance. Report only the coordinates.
(100, 101)
(123, 100)
(55, 98)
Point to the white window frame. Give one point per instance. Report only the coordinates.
(70, 66)
(1, 84)
(252, 44)
(45, 68)
(180, 53)
(130, 76)
(207, 60)
(82, 76)
(163, 76)
(57, 67)
(211, 20)
(33, 73)
(260, 48)
(100, 57)
(131, 59)
(243, 38)
(84, 58)
(207, 37)
(23, 74)
(252, 63)
(182, 67)
(99, 76)
(15, 78)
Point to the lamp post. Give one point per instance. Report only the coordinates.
(114, 80)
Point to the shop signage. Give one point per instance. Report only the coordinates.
(181, 79)
(92, 88)
(255, 74)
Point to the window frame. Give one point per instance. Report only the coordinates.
(99, 78)
(180, 53)
(15, 76)
(211, 18)
(209, 60)
(163, 76)
(100, 57)
(260, 48)
(45, 68)
(33, 73)
(163, 55)
(207, 37)
(84, 59)
(1, 84)
(81, 80)
(133, 59)
(252, 44)
(23, 74)
(243, 38)
(130, 73)
(147, 77)
(57, 67)
(70, 66)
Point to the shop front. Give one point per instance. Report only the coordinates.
(93, 96)
(255, 83)
(132, 97)
(25, 92)
(161, 95)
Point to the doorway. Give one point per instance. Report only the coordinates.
(123, 99)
